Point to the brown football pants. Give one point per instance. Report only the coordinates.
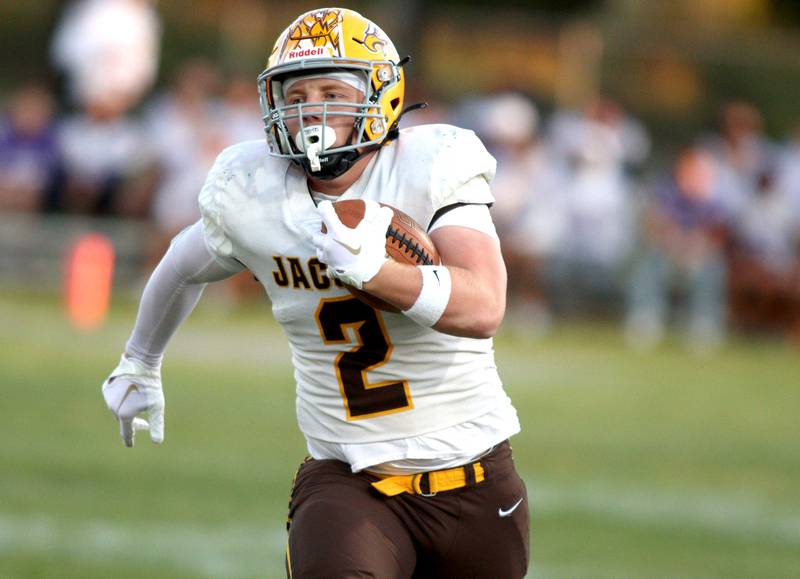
(341, 527)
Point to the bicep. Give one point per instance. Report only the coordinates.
(471, 250)
(193, 262)
(478, 297)
(465, 237)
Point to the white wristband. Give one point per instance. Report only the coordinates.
(433, 297)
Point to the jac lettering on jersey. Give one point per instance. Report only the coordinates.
(301, 276)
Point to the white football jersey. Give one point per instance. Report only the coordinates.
(362, 375)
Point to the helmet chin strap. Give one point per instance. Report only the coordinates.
(337, 164)
(315, 139)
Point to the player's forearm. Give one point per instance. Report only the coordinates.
(397, 283)
(171, 294)
(474, 309)
(166, 302)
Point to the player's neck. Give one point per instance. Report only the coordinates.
(342, 183)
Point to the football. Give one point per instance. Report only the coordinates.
(406, 242)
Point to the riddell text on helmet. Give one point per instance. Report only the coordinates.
(316, 51)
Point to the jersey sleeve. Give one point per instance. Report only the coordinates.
(461, 159)
(472, 216)
(212, 210)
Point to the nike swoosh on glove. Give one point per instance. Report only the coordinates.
(353, 254)
(133, 388)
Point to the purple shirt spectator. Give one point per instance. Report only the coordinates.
(29, 157)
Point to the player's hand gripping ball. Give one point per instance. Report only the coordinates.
(398, 237)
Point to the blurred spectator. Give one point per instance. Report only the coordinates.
(742, 153)
(185, 129)
(106, 162)
(240, 111)
(189, 126)
(684, 232)
(108, 50)
(769, 228)
(601, 146)
(787, 178)
(602, 124)
(29, 157)
(529, 212)
(765, 262)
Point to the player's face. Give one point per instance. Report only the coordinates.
(324, 90)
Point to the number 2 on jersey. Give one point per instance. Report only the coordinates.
(362, 399)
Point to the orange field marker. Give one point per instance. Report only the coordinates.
(89, 273)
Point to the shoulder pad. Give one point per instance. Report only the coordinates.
(452, 156)
(236, 174)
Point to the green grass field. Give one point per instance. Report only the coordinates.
(638, 465)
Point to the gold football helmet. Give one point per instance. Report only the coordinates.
(332, 40)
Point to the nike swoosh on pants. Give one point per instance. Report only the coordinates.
(507, 513)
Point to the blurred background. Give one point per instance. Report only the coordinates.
(648, 201)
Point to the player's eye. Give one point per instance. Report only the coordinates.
(294, 100)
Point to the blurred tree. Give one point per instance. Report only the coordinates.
(786, 12)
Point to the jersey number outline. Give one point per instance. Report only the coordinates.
(362, 399)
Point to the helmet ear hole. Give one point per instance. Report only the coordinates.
(394, 103)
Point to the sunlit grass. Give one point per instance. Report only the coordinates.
(639, 465)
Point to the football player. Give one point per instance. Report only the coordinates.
(410, 472)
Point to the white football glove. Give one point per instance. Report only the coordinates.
(353, 255)
(132, 388)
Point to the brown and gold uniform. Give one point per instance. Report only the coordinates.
(377, 394)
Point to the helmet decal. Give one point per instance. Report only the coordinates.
(374, 40)
(317, 30)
